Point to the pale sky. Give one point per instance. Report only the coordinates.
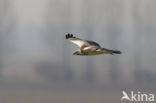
(30, 11)
(30, 23)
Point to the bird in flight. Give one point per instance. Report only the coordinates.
(88, 48)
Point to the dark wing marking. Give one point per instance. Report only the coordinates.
(92, 43)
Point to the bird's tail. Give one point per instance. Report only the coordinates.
(111, 51)
(115, 52)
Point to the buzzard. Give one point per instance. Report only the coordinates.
(88, 48)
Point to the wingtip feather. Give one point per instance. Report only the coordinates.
(69, 35)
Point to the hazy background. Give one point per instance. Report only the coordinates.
(36, 62)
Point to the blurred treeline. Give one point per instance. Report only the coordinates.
(33, 49)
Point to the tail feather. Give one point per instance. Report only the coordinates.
(111, 51)
(114, 52)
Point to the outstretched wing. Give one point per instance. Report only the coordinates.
(75, 40)
(80, 42)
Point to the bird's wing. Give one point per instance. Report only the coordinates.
(92, 43)
(75, 40)
(81, 42)
(90, 48)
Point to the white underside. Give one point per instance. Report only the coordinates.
(79, 42)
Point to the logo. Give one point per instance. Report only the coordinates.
(137, 97)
